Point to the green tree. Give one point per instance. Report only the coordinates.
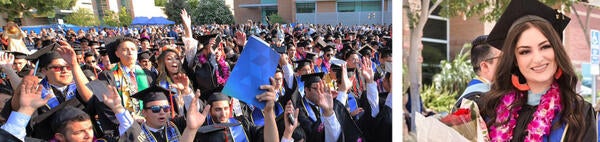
(82, 17)
(275, 18)
(212, 11)
(160, 2)
(111, 19)
(173, 9)
(124, 18)
(25, 8)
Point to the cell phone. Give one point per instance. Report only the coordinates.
(217, 41)
(291, 118)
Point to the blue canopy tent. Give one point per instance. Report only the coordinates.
(159, 21)
(140, 21)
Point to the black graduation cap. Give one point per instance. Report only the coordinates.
(144, 39)
(309, 79)
(152, 93)
(144, 55)
(519, 11)
(217, 96)
(78, 50)
(204, 39)
(302, 44)
(113, 44)
(45, 55)
(102, 51)
(385, 52)
(302, 63)
(366, 50)
(215, 127)
(88, 54)
(311, 55)
(65, 114)
(92, 43)
(336, 68)
(18, 55)
(82, 40)
(321, 43)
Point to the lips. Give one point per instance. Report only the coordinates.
(540, 68)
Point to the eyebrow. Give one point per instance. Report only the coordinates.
(539, 44)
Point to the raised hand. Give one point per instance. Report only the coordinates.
(240, 38)
(30, 95)
(195, 119)
(187, 23)
(325, 99)
(283, 60)
(290, 126)
(268, 96)
(346, 83)
(66, 51)
(6, 60)
(113, 100)
(367, 69)
(182, 83)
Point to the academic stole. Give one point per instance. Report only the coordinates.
(123, 84)
(53, 102)
(171, 134)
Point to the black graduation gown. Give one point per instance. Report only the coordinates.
(526, 115)
(350, 132)
(377, 129)
(41, 119)
(202, 75)
(253, 134)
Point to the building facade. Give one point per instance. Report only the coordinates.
(347, 12)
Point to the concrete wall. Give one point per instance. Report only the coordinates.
(326, 6)
(287, 9)
(244, 14)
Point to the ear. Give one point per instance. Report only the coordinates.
(483, 66)
(60, 137)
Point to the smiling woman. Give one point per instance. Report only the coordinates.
(533, 97)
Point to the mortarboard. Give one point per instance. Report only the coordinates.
(78, 50)
(302, 44)
(479, 40)
(82, 40)
(18, 55)
(366, 50)
(65, 114)
(215, 127)
(385, 52)
(204, 39)
(329, 48)
(144, 39)
(309, 79)
(113, 44)
(44, 56)
(152, 93)
(92, 43)
(311, 55)
(88, 54)
(520, 11)
(144, 55)
(302, 63)
(217, 96)
(321, 43)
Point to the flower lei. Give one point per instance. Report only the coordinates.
(539, 125)
(225, 69)
(222, 66)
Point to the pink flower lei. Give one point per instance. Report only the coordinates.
(539, 125)
(223, 68)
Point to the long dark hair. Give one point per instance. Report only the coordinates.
(163, 73)
(572, 103)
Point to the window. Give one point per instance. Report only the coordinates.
(305, 7)
(435, 47)
(370, 6)
(268, 1)
(346, 6)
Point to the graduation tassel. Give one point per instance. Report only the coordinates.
(172, 105)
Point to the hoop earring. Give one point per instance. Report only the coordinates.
(516, 84)
(558, 73)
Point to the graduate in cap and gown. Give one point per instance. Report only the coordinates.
(323, 117)
(127, 77)
(533, 97)
(64, 82)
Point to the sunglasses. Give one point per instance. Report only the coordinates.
(59, 68)
(328, 55)
(156, 109)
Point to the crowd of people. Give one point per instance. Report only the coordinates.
(164, 83)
